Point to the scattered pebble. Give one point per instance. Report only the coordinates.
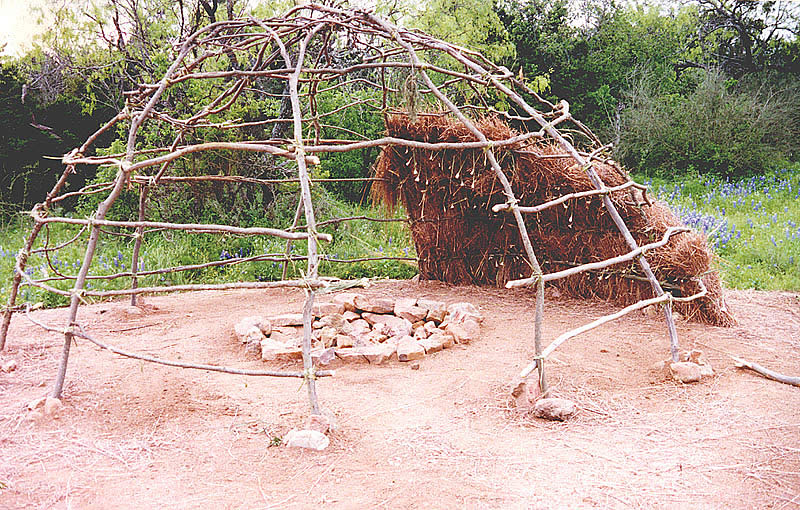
(556, 409)
(310, 439)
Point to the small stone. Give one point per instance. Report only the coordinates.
(272, 350)
(287, 319)
(417, 325)
(437, 311)
(288, 339)
(460, 334)
(243, 327)
(372, 337)
(132, 311)
(324, 356)
(446, 340)
(685, 371)
(415, 365)
(459, 312)
(252, 341)
(327, 336)
(415, 278)
(322, 309)
(375, 305)
(557, 409)
(421, 333)
(337, 321)
(351, 355)
(360, 327)
(351, 316)
(52, 406)
(36, 404)
(346, 299)
(409, 349)
(310, 439)
(397, 325)
(344, 341)
(430, 327)
(9, 366)
(432, 344)
(526, 391)
(318, 422)
(407, 309)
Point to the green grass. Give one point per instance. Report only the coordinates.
(753, 224)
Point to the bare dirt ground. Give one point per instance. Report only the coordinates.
(137, 435)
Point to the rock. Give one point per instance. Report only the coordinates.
(351, 355)
(346, 299)
(52, 406)
(351, 316)
(324, 356)
(372, 354)
(322, 309)
(421, 333)
(287, 319)
(446, 340)
(132, 311)
(318, 422)
(345, 341)
(652, 311)
(359, 327)
(407, 309)
(327, 336)
(460, 333)
(437, 310)
(337, 321)
(415, 278)
(373, 337)
(525, 392)
(685, 371)
(272, 350)
(36, 404)
(432, 344)
(415, 365)
(459, 312)
(253, 343)
(9, 366)
(310, 439)
(374, 305)
(558, 409)
(245, 325)
(397, 325)
(430, 327)
(288, 339)
(409, 349)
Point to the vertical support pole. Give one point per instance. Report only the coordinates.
(289, 241)
(137, 245)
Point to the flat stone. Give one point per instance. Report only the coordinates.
(351, 316)
(323, 356)
(436, 309)
(375, 305)
(318, 422)
(432, 344)
(242, 327)
(346, 299)
(287, 319)
(430, 327)
(421, 333)
(409, 349)
(322, 309)
(360, 327)
(459, 312)
(460, 334)
(9, 366)
(327, 336)
(288, 339)
(351, 355)
(446, 340)
(272, 350)
(407, 309)
(557, 409)
(685, 371)
(397, 325)
(345, 341)
(372, 337)
(309, 439)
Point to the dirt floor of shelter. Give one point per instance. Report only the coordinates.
(138, 435)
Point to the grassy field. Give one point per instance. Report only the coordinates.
(752, 225)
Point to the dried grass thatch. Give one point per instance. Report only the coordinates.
(449, 195)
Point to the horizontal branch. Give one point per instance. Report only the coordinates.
(146, 179)
(188, 227)
(569, 196)
(81, 333)
(769, 374)
(608, 318)
(601, 264)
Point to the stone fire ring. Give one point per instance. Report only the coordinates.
(356, 329)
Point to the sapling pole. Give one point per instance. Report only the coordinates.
(137, 245)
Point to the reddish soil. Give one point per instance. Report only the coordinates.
(138, 435)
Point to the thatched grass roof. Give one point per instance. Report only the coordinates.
(449, 195)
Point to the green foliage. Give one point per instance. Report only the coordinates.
(752, 224)
(715, 129)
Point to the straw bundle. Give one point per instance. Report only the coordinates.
(449, 195)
